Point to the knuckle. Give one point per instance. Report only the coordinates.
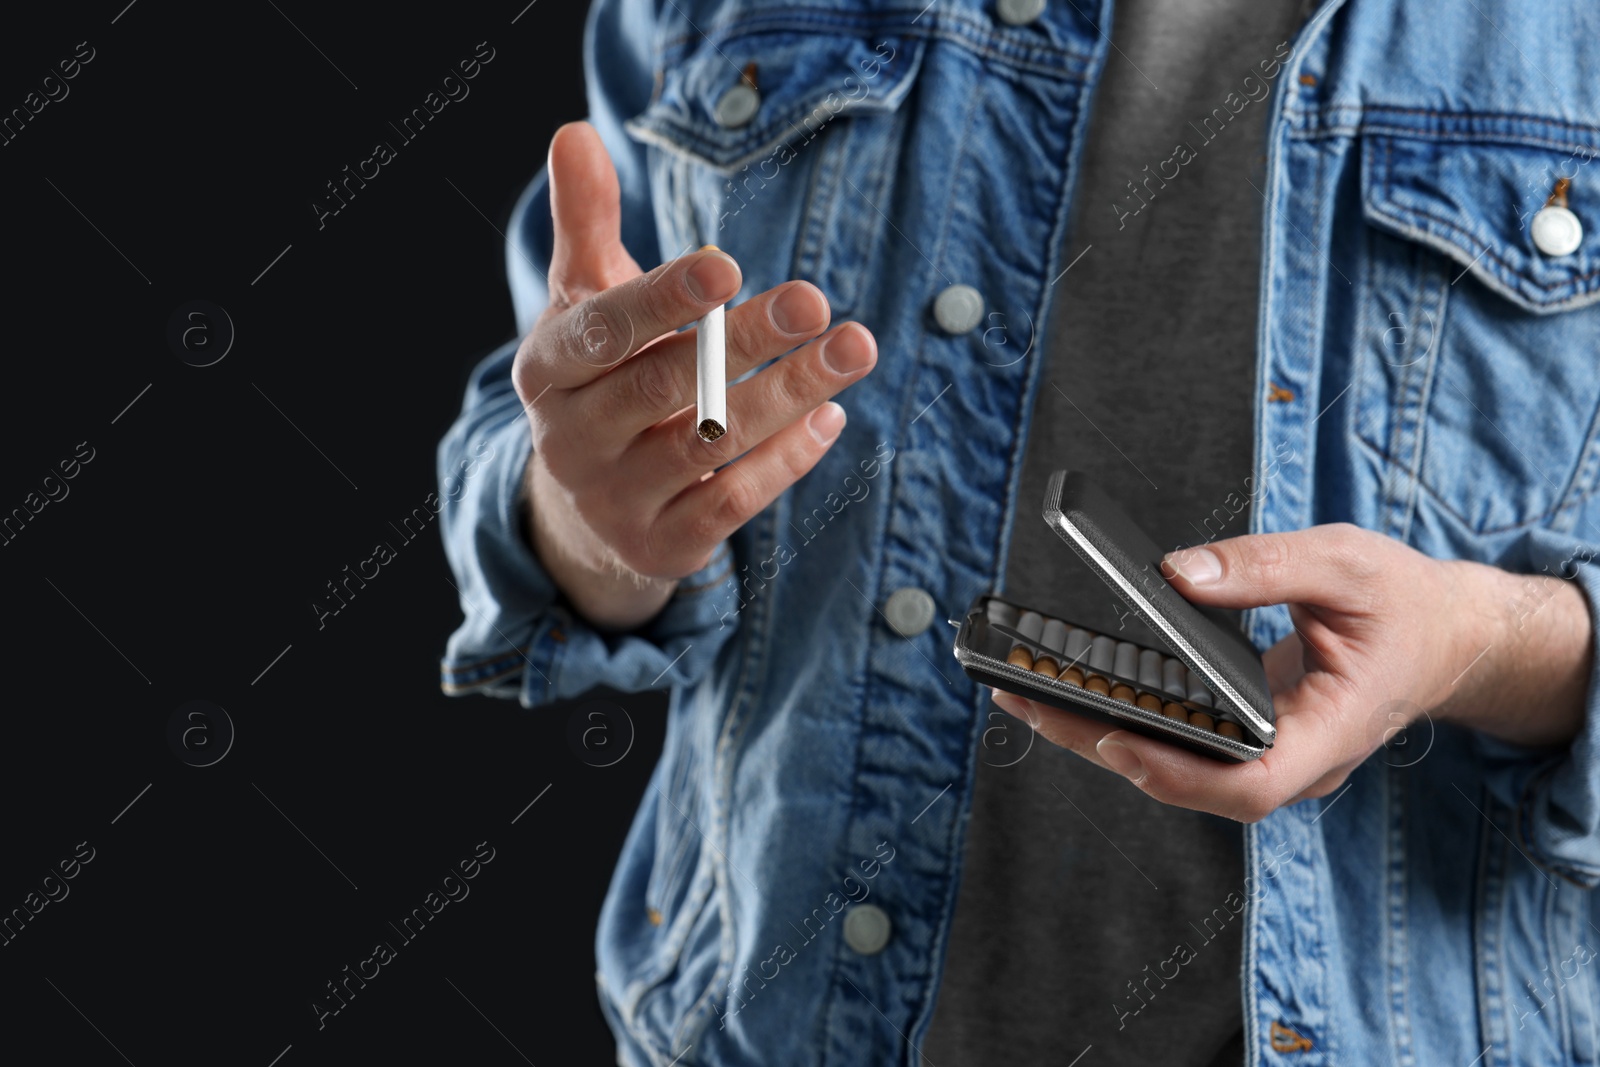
(796, 461)
(653, 384)
(601, 331)
(735, 502)
(564, 331)
(747, 330)
(741, 499)
(1271, 556)
(1345, 534)
(790, 386)
(661, 307)
(1354, 549)
(678, 450)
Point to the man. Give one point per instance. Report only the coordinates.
(833, 863)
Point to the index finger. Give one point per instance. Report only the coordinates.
(575, 346)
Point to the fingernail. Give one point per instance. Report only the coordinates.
(1122, 759)
(713, 278)
(1199, 566)
(799, 309)
(826, 422)
(848, 350)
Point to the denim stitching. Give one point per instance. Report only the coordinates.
(1445, 506)
(1582, 482)
(488, 661)
(751, 664)
(1358, 122)
(1395, 801)
(459, 688)
(1437, 295)
(1488, 961)
(960, 29)
(1518, 275)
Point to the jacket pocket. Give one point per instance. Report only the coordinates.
(778, 142)
(1476, 361)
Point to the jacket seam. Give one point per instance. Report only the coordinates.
(1522, 277)
(1445, 506)
(940, 25)
(459, 688)
(1308, 125)
(488, 661)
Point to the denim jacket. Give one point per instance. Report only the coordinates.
(1425, 369)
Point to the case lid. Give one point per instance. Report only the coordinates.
(1130, 563)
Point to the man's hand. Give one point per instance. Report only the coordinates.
(1383, 636)
(625, 499)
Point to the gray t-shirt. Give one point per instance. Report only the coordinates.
(1088, 914)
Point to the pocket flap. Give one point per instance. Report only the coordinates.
(1475, 200)
(802, 81)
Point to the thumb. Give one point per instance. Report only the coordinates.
(586, 210)
(1326, 566)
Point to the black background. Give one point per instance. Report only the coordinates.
(184, 561)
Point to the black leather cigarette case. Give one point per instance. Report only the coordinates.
(1223, 678)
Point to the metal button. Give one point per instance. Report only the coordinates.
(1556, 231)
(1019, 12)
(866, 928)
(958, 309)
(909, 611)
(737, 106)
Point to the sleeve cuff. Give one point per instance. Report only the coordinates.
(518, 638)
(1555, 794)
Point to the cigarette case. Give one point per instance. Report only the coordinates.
(1201, 685)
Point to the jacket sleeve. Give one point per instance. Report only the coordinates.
(518, 637)
(1555, 794)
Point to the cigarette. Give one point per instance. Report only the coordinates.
(711, 374)
(1150, 670)
(1054, 637)
(1198, 693)
(1125, 666)
(1077, 648)
(1030, 626)
(1001, 612)
(1172, 678)
(1150, 662)
(1102, 655)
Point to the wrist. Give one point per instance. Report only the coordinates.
(1523, 657)
(604, 592)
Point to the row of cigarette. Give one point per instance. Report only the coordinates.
(1104, 665)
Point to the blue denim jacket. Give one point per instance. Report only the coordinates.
(1424, 370)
